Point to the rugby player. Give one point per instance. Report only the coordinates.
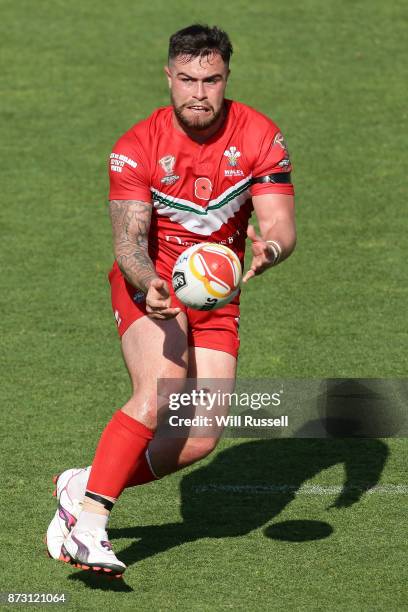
(191, 172)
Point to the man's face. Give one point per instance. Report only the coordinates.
(197, 88)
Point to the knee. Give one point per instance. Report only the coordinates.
(148, 402)
(143, 407)
(198, 448)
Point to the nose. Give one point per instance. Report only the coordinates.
(200, 91)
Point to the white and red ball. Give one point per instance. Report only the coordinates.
(206, 276)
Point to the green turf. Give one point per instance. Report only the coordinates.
(74, 76)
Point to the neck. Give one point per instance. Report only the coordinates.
(201, 136)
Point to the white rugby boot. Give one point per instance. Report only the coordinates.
(91, 549)
(69, 507)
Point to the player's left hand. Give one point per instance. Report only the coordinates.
(263, 256)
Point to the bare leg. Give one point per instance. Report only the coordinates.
(168, 455)
(152, 349)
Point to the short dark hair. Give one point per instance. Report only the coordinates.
(200, 41)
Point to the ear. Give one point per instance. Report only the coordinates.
(168, 74)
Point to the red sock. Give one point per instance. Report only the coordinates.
(142, 474)
(120, 451)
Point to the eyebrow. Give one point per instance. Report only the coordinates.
(211, 76)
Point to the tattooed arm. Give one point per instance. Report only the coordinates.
(130, 225)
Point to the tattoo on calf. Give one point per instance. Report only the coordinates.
(130, 225)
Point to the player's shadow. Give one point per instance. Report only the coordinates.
(246, 486)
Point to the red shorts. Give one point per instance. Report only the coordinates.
(215, 330)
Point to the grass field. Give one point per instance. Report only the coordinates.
(251, 527)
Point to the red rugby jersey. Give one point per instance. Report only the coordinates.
(199, 192)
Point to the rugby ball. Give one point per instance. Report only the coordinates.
(206, 276)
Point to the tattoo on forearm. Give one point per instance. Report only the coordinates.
(130, 225)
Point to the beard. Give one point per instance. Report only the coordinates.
(197, 122)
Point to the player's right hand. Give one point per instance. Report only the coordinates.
(158, 301)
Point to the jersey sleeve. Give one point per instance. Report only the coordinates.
(128, 171)
(273, 158)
